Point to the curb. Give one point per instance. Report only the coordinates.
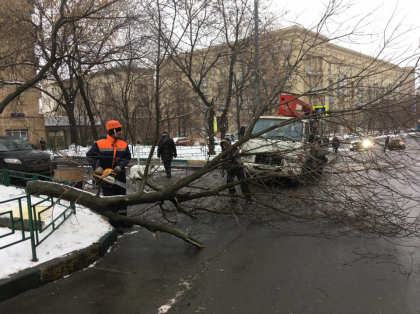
(55, 269)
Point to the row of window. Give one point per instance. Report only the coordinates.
(23, 134)
(56, 138)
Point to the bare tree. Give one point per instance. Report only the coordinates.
(44, 27)
(356, 193)
(125, 93)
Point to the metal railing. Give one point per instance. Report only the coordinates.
(6, 177)
(38, 232)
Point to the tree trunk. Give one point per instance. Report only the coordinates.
(74, 138)
(238, 111)
(210, 123)
(102, 206)
(88, 108)
(223, 126)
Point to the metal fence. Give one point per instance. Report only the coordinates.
(38, 232)
(6, 177)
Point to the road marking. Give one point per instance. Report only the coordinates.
(185, 287)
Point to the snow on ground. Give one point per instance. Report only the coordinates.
(142, 151)
(77, 232)
(184, 152)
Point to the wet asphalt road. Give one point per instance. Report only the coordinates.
(244, 268)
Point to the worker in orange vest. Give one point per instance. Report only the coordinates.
(111, 152)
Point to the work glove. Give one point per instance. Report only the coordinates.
(99, 170)
(117, 169)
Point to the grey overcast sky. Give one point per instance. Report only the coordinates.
(385, 17)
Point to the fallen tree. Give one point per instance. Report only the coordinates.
(370, 199)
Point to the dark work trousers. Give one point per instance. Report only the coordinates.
(167, 164)
(239, 173)
(111, 190)
(335, 148)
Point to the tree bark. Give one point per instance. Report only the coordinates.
(210, 123)
(102, 205)
(88, 108)
(74, 137)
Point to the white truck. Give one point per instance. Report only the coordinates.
(289, 150)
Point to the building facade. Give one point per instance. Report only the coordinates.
(360, 91)
(22, 117)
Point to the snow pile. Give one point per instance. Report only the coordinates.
(142, 151)
(77, 232)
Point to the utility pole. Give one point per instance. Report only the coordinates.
(256, 65)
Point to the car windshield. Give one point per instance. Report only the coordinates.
(13, 144)
(355, 139)
(292, 131)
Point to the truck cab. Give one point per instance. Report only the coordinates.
(291, 149)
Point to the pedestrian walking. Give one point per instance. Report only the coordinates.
(111, 152)
(233, 168)
(43, 144)
(166, 151)
(387, 139)
(335, 144)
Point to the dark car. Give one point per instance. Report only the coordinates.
(182, 141)
(396, 143)
(17, 154)
(357, 143)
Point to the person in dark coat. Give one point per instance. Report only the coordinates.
(335, 144)
(111, 151)
(166, 151)
(387, 139)
(233, 168)
(43, 144)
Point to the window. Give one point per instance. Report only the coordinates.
(292, 131)
(40, 106)
(23, 134)
(57, 138)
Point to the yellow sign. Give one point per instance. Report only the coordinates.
(214, 124)
(322, 108)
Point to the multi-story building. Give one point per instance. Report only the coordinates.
(360, 91)
(22, 117)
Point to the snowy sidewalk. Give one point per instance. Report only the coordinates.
(77, 243)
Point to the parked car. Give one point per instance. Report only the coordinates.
(396, 143)
(16, 154)
(182, 141)
(358, 143)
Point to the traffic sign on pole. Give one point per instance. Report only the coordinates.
(320, 108)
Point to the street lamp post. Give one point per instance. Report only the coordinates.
(256, 65)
